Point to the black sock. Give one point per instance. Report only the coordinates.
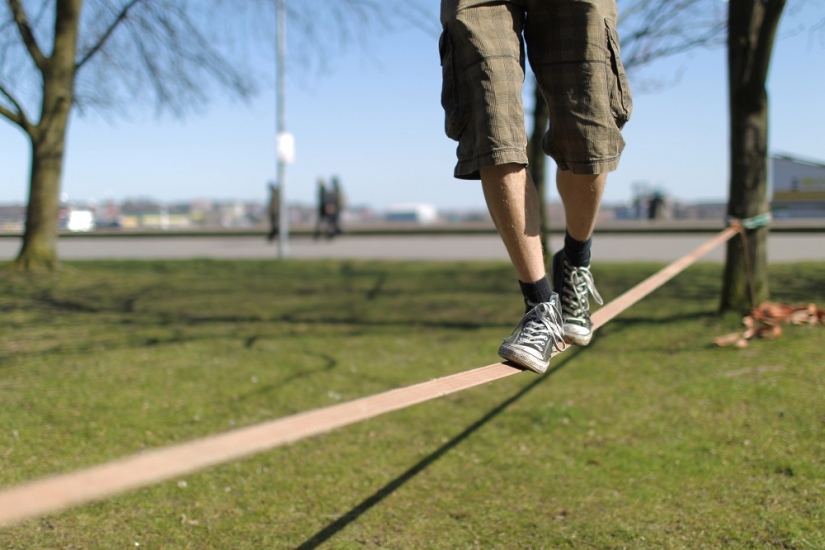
(577, 252)
(535, 293)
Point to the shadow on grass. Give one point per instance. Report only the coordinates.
(66, 305)
(628, 320)
(148, 321)
(377, 287)
(329, 364)
(123, 304)
(296, 317)
(365, 505)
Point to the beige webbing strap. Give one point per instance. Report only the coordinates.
(41, 497)
(609, 311)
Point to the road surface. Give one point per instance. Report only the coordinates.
(782, 247)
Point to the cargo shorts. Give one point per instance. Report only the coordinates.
(573, 49)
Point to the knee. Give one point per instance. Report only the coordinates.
(500, 172)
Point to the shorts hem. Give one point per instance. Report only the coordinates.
(589, 167)
(469, 169)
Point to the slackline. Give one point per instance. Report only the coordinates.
(38, 498)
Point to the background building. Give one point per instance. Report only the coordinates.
(798, 187)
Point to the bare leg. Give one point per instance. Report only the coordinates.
(581, 195)
(514, 205)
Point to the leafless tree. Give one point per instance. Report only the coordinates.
(653, 29)
(752, 30)
(57, 56)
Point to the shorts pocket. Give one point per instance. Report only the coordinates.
(455, 114)
(621, 101)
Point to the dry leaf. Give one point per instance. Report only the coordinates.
(764, 321)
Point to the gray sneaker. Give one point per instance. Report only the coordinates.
(573, 284)
(535, 337)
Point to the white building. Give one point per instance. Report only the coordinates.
(80, 220)
(417, 213)
(798, 188)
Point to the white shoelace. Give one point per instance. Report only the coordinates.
(578, 282)
(540, 323)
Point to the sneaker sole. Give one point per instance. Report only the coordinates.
(578, 339)
(523, 360)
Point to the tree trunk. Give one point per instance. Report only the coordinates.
(537, 160)
(39, 251)
(748, 197)
(48, 138)
(751, 31)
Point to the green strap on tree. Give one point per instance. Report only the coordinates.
(755, 222)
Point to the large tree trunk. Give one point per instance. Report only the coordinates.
(538, 164)
(39, 251)
(748, 198)
(751, 30)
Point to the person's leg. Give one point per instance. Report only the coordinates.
(514, 206)
(581, 195)
(273, 227)
(572, 279)
(330, 217)
(482, 63)
(574, 51)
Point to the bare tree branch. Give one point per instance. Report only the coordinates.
(653, 29)
(26, 33)
(101, 41)
(18, 116)
(169, 51)
(765, 40)
(320, 30)
(818, 26)
(12, 116)
(419, 17)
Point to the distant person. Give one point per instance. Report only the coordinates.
(637, 207)
(330, 211)
(338, 200)
(573, 49)
(274, 211)
(655, 207)
(322, 224)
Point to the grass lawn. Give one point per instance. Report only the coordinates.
(648, 438)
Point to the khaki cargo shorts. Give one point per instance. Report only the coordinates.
(573, 49)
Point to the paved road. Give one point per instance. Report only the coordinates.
(783, 247)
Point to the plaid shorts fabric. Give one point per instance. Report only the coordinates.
(573, 49)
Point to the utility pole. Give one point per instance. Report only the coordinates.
(284, 142)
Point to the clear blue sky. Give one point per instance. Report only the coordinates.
(374, 119)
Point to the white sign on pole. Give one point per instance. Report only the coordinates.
(286, 147)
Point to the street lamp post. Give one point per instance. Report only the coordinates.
(282, 138)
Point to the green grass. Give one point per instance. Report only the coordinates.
(649, 438)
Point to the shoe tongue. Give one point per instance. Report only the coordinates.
(553, 301)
